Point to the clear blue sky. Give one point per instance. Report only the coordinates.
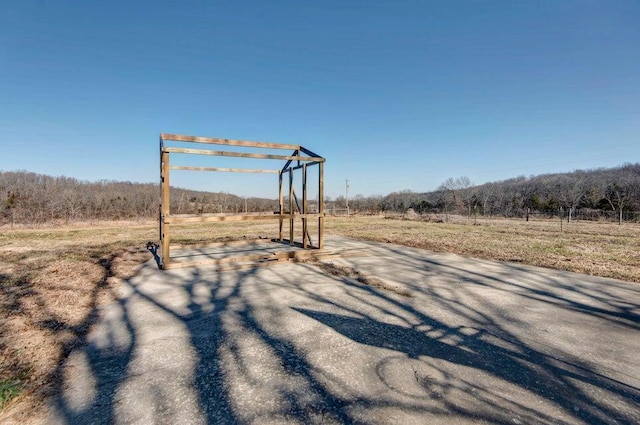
(395, 94)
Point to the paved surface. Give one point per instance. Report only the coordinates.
(476, 342)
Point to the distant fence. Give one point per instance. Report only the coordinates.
(585, 215)
(577, 215)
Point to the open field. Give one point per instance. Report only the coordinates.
(53, 279)
(599, 249)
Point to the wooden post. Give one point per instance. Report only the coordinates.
(304, 206)
(280, 203)
(290, 206)
(160, 196)
(166, 211)
(321, 205)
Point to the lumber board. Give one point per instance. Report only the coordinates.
(308, 152)
(297, 167)
(165, 203)
(291, 212)
(256, 258)
(224, 244)
(321, 206)
(227, 142)
(305, 231)
(241, 154)
(224, 170)
(280, 205)
(173, 219)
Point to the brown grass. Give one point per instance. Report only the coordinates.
(52, 280)
(600, 249)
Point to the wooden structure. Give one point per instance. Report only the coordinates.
(300, 159)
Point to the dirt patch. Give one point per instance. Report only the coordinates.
(351, 273)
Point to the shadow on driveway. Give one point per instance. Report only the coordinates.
(292, 344)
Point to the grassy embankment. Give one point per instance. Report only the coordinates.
(52, 280)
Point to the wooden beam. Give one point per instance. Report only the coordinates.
(225, 244)
(175, 219)
(286, 167)
(307, 163)
(256, 259)
(304, 206)
(291, 207)
(308, 152)
(224, 170)
(160, 237)
(280, 204)
(321, 205)
(295, 200)
(166, 211)
(227, 142)
(239, 154)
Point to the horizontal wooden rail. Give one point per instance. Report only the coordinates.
(225, 244)
(286, 170)
(228, 142)
(256, 259)
(227, 170)
(241, 154)
(174, 219)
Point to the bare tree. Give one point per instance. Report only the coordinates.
(447, 192)
(467, 192)
(452, 191)
(573, 193)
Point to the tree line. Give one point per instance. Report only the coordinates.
(31, 198)
(592, 194)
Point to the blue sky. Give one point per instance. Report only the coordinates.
(395, 94)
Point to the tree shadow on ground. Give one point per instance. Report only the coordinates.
(598, 300)
(249, 364)
(107, 362)
(516, 364)
(220, 320)
(581, 389)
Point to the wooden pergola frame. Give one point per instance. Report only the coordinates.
(300, 159)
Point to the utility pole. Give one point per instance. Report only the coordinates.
(346, 192)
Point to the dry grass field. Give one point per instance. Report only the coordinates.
(52, 279)
(599, 249)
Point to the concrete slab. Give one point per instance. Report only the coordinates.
(252, 253)
(442, 339)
